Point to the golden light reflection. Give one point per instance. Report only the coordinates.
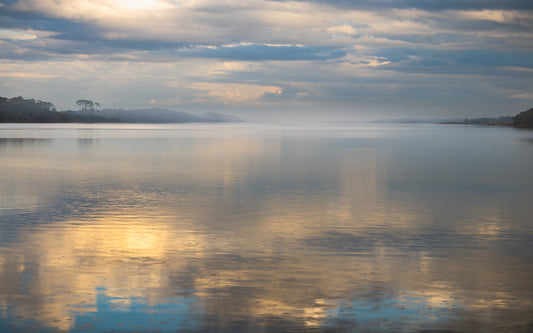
(123, 254)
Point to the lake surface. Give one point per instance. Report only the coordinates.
(265, 228)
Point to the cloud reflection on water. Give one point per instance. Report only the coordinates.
(238, 230)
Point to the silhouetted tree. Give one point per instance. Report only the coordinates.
(85, 104)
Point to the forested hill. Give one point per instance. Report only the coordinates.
(161, 116)
(20, 110)
(524, 118)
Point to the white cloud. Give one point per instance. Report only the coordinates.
(520, 69)
(400, 27)
(232, 93)
(16, 34)
(524, 95)
(342, 30)
(93, 9)
(500, 16)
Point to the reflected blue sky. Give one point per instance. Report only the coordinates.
(132, 314)
(118, 314)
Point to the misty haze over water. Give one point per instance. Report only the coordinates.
(265, 227)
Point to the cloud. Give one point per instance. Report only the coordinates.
(169, 102)
(232, 94)
(16, 34)
(254, 52)
(525, 95)
(346, 30)
(91, 9)
(456, 61)
(259, 52)
(428, 5)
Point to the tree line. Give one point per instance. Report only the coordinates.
(524, 118)
(20, 110)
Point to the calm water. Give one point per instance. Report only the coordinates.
(265, 228)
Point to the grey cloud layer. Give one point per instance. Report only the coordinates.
(429, 4)
(287, 52)
(261, 25)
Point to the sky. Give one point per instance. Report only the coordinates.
(273, 59)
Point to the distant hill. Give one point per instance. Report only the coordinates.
(160, 116)
(20, 110)
(504, 120)
(524, 118)
(419, 121)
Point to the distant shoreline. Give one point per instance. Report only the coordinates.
(18, 110)
(502, 125)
